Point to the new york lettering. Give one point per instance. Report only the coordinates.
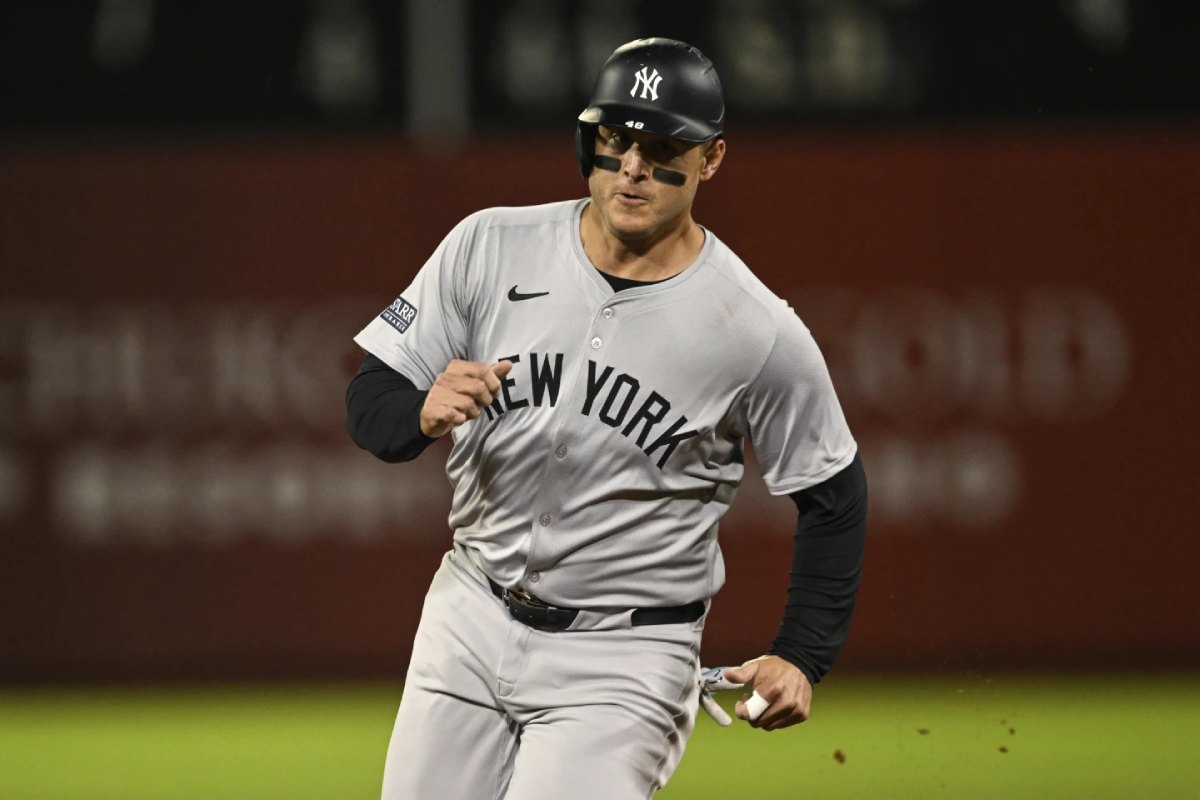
(616, 399)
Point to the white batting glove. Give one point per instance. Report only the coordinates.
(712, 679)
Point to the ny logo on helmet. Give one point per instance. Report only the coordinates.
(648, 81)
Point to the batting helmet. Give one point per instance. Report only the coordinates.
(661, 86)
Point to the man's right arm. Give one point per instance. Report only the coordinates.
(383, 412)
(389, 417)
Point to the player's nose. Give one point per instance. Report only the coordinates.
(635, 164)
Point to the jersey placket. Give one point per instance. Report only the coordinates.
(567, 446)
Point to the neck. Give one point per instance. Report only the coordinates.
(651, 259)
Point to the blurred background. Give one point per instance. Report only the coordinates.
(987, 213)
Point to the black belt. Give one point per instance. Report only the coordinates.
(527, 609)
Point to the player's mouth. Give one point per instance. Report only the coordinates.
(632, 199)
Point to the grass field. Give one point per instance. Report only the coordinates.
(875, 738)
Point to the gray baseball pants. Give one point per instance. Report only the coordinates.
(493, 709)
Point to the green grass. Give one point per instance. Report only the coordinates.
(1071, 737)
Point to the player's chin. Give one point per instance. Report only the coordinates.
(632, 227)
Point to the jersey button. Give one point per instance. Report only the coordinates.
(544, 519)
(607, 313)
(561, 451)
(534, 577)
(596, 343)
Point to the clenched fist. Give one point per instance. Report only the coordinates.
(460, 393)
(785, 688)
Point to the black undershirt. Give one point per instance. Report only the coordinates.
(827, 561)
(383, 417)
(619, 284)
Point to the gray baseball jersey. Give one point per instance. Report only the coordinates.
(598, 477)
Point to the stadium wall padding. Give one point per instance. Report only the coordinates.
(1007, 316)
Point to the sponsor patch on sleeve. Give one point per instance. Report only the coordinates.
(400, 314)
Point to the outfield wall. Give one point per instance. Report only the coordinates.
(1007, 316)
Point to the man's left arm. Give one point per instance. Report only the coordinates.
(827, 561)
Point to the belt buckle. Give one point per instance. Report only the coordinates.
(535, 613)
(526, 598)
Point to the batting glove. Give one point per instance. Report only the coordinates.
(712, 679)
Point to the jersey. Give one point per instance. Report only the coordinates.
(597, 478)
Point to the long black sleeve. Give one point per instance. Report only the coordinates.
(826, 565)
(383, 412)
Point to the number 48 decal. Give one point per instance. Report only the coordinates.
(637, 126)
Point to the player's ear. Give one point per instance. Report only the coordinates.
(712, 159)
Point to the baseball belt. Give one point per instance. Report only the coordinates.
(528, 610)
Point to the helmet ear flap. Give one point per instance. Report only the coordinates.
(585, 146)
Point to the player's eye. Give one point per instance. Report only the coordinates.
(617, 140)
(663, 152)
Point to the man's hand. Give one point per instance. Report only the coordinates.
(459, 394)
(785, 688)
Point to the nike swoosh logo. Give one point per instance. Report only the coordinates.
(514, 295)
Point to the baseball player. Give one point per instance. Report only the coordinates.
(599, 364)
